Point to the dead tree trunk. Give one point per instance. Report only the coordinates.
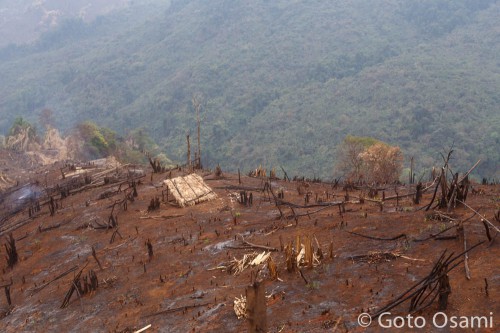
(150, 249)
(444, 289)
(411, 176)
(188, 153)
(197, 106)
(418, 194)
(443, 203)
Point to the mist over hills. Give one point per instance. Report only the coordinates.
(283, 81)
(25, 20)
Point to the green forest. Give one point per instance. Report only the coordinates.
(282, 82)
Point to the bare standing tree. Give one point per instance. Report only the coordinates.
(188, 153)
(197, 101)
(349, 158)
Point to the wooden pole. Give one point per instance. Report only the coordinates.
(466, 255)
(188, 153)
(197, 106)
(411, 170)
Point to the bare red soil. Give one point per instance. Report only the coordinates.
(190, 243)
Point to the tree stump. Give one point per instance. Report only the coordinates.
(256, 308)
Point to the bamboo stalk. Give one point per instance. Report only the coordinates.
(484, 218)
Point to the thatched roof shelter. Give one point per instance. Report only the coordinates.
(189, 190)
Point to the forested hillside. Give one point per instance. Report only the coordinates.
(283, 82)
(25, 20)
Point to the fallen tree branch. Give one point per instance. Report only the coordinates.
(323, 204)
(377, 238)
(164, 217)
(468, 172)
(308, 213)
(51, 227)
(181, 308)
(415, 292)
(375, 257)
(41, 287)
(446, 237)
(73, 288)
(407, 195)
(13, 227)
(434, 235)
(120, 245)
(438, 216)
(256, 246)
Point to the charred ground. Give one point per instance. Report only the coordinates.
(174, 268)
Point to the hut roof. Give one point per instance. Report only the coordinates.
(189, 190)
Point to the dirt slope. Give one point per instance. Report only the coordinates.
(191, 245)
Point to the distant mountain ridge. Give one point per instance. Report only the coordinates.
(283, 82)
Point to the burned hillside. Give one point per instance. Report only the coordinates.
(104, 246)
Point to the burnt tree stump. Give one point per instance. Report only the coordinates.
(10, 248)
(256, 308)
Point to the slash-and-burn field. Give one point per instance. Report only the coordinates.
(103, 247)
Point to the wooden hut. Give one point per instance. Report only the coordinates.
(189, 190)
